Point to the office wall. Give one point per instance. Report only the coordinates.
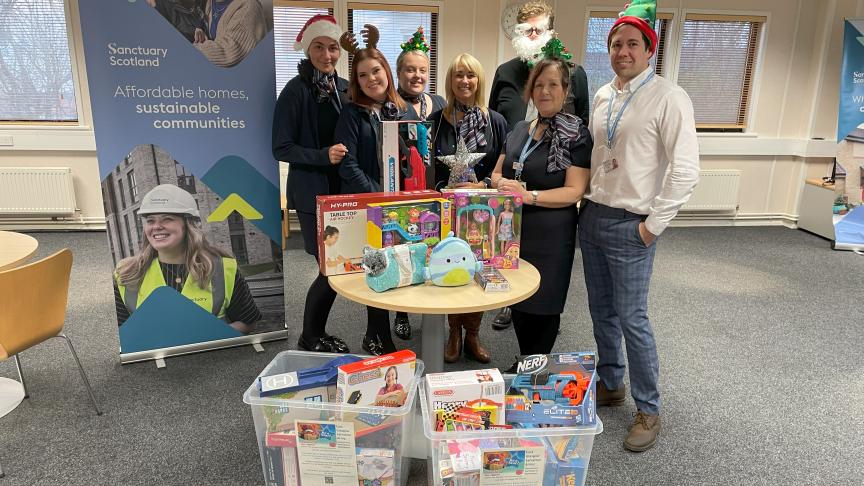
(795, 102)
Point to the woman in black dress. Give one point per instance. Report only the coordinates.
(303, 124)
(548, 161)
(374, 99)
(483, 130)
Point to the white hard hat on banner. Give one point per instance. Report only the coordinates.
(170, 199)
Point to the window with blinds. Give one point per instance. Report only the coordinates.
(596, 58)
(397, 23)
(717, 61)
(288, 18)
(35, 67)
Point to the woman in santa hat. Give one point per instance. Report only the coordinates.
(303, 126)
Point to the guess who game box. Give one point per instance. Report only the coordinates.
(342, 227)
(491, 223)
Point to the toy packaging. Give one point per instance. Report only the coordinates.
(395, 266)
(342, 227)
(382, 381)
(405, 154)
(281, 419)
(490, 279)
(490, 221)
(302, 379)
(553, 390)
(481, 390)
(415, 221)
(375, 467)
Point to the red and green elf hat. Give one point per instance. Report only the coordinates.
(640, 14)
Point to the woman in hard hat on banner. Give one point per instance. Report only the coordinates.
(175, 253)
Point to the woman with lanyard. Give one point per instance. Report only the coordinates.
(466, 117)
(374, 99)
(548, 162)
(412, 69)
(303, 125)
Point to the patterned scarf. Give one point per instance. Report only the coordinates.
(324, 84)
(564, 130)
(411, 99)
(472, 128)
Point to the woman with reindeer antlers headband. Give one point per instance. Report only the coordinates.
(374, 99)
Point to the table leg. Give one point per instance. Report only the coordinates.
(432, 343)
(11, 394)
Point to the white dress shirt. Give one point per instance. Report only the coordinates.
(653, 164)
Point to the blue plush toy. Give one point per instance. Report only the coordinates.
(452, 263)
(394, 266)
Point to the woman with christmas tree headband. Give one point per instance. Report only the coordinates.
(467, 118)
(412, 69)
(547, 161)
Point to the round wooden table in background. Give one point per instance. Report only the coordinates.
(15, 249)
(433, 303)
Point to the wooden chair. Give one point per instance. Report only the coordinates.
(33, 308)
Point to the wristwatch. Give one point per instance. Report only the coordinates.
(534, 197)
(488, 182)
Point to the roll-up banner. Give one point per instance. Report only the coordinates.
(182, 93)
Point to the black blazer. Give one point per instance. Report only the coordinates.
(360, 169)
(295, 141)
(509, 84)
(445, 144)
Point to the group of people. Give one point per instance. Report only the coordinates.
(631, 167)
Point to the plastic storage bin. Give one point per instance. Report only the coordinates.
(378, 431)
(508, 456)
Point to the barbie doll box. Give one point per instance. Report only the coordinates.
(381, 381)
(490, 221)
(342, 227)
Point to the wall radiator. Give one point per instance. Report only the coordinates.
(717, 191)
(36, 191)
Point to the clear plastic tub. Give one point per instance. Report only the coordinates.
(377, 430)
(459, 458)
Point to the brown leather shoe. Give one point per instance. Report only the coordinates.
(454, 342)
(473, 349)
(643, 433)
(610, 398)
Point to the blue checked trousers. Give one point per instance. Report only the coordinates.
(618, 269)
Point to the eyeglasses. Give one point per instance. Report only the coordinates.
(531, 30)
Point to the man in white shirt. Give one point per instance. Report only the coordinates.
(644, 166)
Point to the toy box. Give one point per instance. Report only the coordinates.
(553, 390)
(477, 389)
(342, 227)
(375, 466)
(405, 154)
(490, 280)
(490, 221)
(381, 381)
(420, 220)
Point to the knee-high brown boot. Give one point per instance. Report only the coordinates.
(454, 341)
(473, 349)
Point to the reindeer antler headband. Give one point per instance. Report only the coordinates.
(370, 35)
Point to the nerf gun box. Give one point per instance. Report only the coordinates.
(553, 389)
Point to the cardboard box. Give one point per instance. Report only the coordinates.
(449, 391)
(412, 221)
(346, 214)
(539, 396)
(365, 382)
(490, 221)
(405, 154)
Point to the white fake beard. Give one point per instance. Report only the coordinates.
(529, 50)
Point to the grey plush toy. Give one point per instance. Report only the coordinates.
(374, 261)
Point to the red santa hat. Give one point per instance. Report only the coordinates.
(317, 26)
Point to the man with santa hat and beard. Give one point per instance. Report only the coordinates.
(533, 31)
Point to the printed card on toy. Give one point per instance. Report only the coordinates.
(512, 467)
(326, 453)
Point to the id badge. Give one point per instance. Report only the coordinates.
(610, 163)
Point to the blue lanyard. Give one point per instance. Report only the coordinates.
(612, 128)
(530, 146)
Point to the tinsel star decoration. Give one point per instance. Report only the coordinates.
(417, 42)
(461, 164)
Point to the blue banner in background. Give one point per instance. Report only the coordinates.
(851, 79)
(182, 93)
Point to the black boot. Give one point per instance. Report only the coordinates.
(502, 320)
(401, 326)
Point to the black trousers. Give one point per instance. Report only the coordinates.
(536, 333)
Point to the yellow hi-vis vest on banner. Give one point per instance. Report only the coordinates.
(214, 299)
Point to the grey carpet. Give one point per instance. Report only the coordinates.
(759, 332)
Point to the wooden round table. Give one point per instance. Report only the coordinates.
(433, 303)
(15, 248)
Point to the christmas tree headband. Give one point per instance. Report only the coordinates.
(417, 42)
(555, 50)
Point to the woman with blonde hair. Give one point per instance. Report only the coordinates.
(466, 117)
(176, 254)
